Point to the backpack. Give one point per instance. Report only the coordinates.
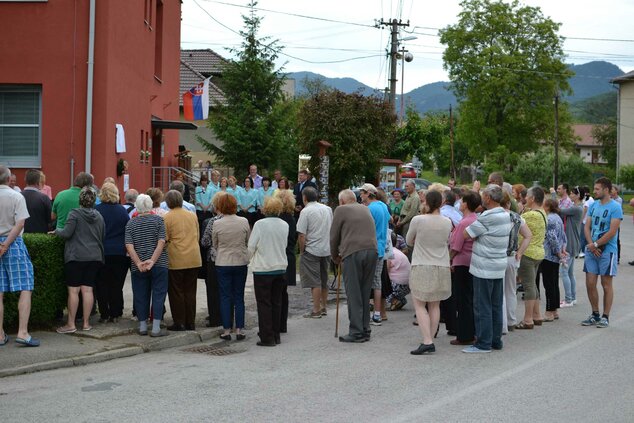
(516, 223)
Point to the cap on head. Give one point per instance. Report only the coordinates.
(369, 188)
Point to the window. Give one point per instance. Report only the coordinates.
(147, 12)
(20, 125)
(158, 42)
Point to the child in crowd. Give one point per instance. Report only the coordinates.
(398, 269)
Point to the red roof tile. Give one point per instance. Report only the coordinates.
(583, 135)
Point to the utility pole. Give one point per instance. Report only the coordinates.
(394, 25)
(452, 171)
(556, 170)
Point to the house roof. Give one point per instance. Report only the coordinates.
(583, 134)
(623, 78)
(205, 61)
(189, 77)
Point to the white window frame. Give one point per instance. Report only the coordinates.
(25, 161)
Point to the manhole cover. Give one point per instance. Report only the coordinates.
(214, 349)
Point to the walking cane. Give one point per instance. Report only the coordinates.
(338, 288)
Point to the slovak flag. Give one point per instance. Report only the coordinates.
(196, 102)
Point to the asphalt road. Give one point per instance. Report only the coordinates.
(558, 372)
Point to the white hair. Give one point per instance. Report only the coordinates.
(347, 195)
(143, 203)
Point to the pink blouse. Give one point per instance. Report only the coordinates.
(47, 190)
(458, 243)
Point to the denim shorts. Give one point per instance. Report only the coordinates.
(605, 265)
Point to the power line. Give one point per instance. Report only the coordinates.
(400, 11)
(290, 14)
(599, 39)
(280, 52)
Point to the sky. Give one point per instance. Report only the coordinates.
(337, 38)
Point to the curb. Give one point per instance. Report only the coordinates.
(132, 349)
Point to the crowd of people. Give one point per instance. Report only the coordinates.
(461, 254)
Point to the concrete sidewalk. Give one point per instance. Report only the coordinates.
(107, 341)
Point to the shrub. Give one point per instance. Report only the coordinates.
(49, 293)
(539, 167)
(626, 176)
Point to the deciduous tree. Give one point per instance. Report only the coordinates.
(360, 129)
(505, 62)
(606, 136)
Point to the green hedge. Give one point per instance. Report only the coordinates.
(50, 293)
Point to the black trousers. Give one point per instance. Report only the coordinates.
(284, 311)
(110, 283)
(213, 295)
(448, 307)
(268, 296)
(464, 302)
(550, 277)
(182, 295)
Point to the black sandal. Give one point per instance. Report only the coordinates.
(226, 337)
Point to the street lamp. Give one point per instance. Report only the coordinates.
(405, 56)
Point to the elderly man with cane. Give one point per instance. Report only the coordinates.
(353, 243)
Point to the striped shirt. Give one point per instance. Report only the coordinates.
(144, 233)
(490, 232)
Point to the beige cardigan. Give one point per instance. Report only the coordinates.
(230, 236)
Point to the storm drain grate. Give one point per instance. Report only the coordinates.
(214, 349)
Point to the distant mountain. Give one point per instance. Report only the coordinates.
(591, 79)
(434, 96)
(346, 85)
(597, 109)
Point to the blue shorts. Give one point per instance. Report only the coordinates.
(604, 265)
(16, 270)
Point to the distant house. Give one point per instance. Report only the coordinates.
(197, 65)
(590, 150)
(625, 120)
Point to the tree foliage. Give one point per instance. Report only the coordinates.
(626, 176)
(606, 136)
(254, 123)
(505, 62)
(428, 138)
(598, 109)
(539, 167)
(360, 129)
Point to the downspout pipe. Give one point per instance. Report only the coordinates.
(89, 87)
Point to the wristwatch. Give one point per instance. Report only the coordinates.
(595, 244)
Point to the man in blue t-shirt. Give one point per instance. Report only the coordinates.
(602, 225)
(381, 215)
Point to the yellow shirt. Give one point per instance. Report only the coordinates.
(181, 229)
(536, 222)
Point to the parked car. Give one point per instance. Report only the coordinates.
(408, 171)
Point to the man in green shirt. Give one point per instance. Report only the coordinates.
(68, 199)
(410, 208)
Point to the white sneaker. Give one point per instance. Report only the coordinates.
(574, 302)
(581, 255)
(565, 304)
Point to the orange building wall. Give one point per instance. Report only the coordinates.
(53, 53)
